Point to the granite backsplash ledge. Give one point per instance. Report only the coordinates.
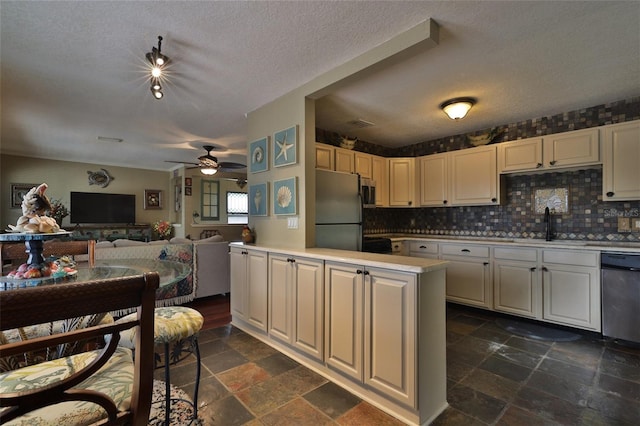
(588, 218)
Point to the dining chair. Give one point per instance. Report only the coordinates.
(106, 386)
(14, 253)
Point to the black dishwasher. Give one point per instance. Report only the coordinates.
(621, 295)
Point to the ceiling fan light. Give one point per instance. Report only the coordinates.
(208, 172)
(157, 93)
(457, 108)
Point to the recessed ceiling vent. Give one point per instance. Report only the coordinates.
(360, 123)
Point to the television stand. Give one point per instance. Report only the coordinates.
(138, 232)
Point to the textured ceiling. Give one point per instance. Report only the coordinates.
(74, 71)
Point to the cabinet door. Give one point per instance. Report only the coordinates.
(571, 148)
(280, 290)
(390, 333)
(324, 156)
(344, 160)
(402, 182)
(363, 165)
(620, 167)
(434, 180)
(572, 296)
(520, 155)
(257, 289)
(238, 273)
(468, 281)
(381, 177)
(473, 176)
(343, 315)
(308, 306)
(515, 288)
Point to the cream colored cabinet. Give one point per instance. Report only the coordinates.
(371, 328)
(468, 274)
(576, 148)
(325, 156)
(296, 308)
(427, 249)
(571, 288)
(249, 286)
(621, 162)
(520, 155)
(380, 175)
(516, 281)
(363, 165)
(344, 160)
(403, 183)
(434, 180)
(474, 177)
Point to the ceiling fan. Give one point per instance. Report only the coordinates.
(209, 165)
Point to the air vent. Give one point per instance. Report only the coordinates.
(106, 139)
(360, 123)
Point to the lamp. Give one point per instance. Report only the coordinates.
(208, 171)
(457, 108)
(158, 61)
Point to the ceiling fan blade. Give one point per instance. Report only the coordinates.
(181, 162)
(231, 166)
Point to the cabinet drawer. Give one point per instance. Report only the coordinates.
(566, 257)
(423, 247)
(510, 253)
(465, 250)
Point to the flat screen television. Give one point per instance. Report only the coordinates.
(93, 207)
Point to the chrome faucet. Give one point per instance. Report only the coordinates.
(547, 221)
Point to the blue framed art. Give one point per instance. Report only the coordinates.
(258, 199)
(285, 196)
(285, 146)
(259, 155)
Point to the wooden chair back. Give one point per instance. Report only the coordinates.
(15, 254)
(36, 305)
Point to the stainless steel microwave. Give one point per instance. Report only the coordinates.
(368, 192)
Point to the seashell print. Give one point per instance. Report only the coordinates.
(257, 200)
(284, 196)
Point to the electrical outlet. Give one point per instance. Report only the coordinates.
(624, 224)
(635, 224)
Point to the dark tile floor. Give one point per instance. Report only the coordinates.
(494, 377)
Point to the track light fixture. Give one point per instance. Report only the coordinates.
(457, 108)
(158, 61)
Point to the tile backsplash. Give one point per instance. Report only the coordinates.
(588, 217)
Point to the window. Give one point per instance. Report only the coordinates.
(237, 207)
(210, 200)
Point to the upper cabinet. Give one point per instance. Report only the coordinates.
(363, 165)
(561, 150)
(380, 175)
(621, 161)
(403, 183)
(325, 156)
(434, 180)
(473, 176)
(344, 160)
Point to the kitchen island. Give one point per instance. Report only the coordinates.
(371, 323)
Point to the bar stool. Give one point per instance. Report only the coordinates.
(173, 325)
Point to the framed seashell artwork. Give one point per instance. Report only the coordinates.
(259, 151)
(259, 199)
(18, 191)
(285, 196)
(285, 146)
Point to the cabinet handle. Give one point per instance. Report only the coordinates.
(533, 269)
(485, 263)
(610, 194)
(410, 202)
(366, 272)
(244, 252)
(544, 268)
(493, 200)
(538, 165)
(465, 251)
(444, 202)
(423, 247)
(552, 163)
(358, 272)
(290, 259)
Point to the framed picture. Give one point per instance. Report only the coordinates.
(285, 196)
(187, 181)
(18, 191)
(285, 146)
(152, 199)
(178, 198)
(259, 155)
(557, 199)
(259, 199)
(187, 191)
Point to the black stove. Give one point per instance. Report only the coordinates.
(376, 245)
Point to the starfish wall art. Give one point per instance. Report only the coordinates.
(285, 146)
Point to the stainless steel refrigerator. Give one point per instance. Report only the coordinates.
(338, 210)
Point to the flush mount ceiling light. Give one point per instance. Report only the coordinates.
(158, 62)
(457, 108)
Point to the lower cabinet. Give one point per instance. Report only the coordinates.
(468, 274)
(296, 296)
(371, 330)
(516, 281)
(249, 286)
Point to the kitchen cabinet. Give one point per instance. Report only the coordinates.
(524, 154)
(363, 165)
(474, 177)
(398, 248)
(468, 274)
(371, 327)
(571, 288)
(296, 308)
(403, 183)
(249, 286)
(380, 175)
(426, 249)
(325, 156)
(434, 180)
(344, 160)
(621, 161)
(516, 281)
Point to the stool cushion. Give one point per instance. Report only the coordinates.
(171, 323)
